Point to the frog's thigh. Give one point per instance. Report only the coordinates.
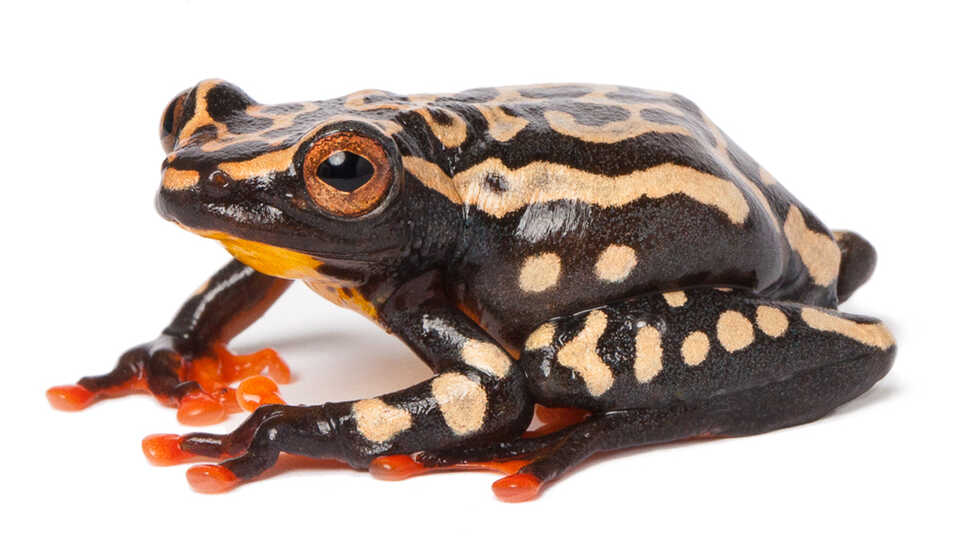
(688, 346)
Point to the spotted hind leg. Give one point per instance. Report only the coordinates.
(680, 366)
(531, 463)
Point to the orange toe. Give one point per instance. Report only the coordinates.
(70, 397)
(256, 391)
(211, 478)
(164, 449)
(517, 487)
(277, 369)
(398, 467)
(200, 410)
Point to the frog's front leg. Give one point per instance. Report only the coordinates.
(188, 365)
(478, 394)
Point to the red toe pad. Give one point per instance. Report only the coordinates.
(200, 410)
(211, 478)
(256, 391)
(164, 449)
(70, 397)
(517, 488)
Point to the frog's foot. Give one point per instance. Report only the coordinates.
(511, 458)
(169, 449)
(249, 450)
(507, 458)
(198, 385)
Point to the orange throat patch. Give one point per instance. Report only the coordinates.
(288, 264)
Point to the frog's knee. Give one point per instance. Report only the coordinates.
(857, 262)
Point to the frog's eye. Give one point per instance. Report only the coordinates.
(347, 173)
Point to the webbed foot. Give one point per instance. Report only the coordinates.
(197, 383)
(247, 451)
(510, 458)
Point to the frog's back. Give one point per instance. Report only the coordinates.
(580, 194)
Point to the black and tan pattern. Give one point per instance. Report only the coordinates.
(573, 245)
(737, 341)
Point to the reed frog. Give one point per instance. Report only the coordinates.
(602, 250)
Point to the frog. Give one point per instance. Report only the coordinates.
(600, 255)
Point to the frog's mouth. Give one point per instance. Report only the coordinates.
(257, 228)
(264, 258)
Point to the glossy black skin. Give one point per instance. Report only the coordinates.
(420, 257)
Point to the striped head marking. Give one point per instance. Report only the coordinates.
(293, 190)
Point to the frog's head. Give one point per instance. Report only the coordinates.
(286, 187)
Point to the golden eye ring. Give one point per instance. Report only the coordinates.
(347, 174)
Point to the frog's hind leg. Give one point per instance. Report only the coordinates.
(698, 364)
(803, 398)
(858, 259)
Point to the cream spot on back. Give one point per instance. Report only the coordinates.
(580, 355)
(500, 125)
(695, 348)
(379, 422)
(675, 298)
(486, 357)
(462, 402)
(615, 263)
(819, 253)
(771, 321)
(872, 334)
(451, 134)
(540, 272)
(649, 354)
(734, 331)
(611, 132)
(541, 337)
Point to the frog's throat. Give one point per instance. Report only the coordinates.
(271, 260)
(288, 264)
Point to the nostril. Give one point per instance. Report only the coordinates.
(217, 184)
(219, 178)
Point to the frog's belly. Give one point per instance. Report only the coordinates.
(512, 281)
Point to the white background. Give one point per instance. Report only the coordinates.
(852, 107)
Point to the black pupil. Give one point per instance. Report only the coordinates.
(345, 171)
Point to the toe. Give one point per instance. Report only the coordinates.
(211, 478)
(70, 397)
(256, 391)
(517, 487)
(164, 449)
(200, 409)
